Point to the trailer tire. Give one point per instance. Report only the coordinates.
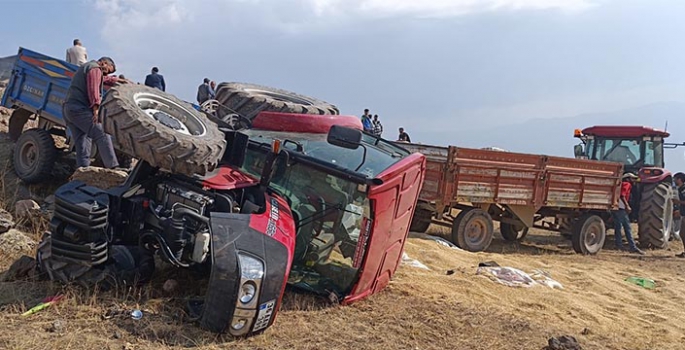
(421, 219)
(513, 233)
(248, 100)
(655, 216)
(34, 155)
(472, 230)
(162, 130)
(17, 121)
(589, 234)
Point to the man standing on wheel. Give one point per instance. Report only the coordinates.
(81, 111)
(621, 218)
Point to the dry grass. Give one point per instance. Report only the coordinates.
(421, 309)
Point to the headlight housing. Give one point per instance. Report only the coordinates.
(250, 268)
(247, 292)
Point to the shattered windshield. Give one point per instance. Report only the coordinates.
(330, 213)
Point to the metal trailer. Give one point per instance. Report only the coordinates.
(518, 190)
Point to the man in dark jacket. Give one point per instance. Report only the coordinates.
(205, 92)
(81, 108)
(155, 80)
(679, 179)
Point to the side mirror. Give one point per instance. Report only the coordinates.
(578, 151)
(344, 137)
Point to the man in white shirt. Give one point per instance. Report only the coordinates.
(77, 54)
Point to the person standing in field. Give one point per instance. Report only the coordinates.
(77, 54)
(679, 179)
(621, 216)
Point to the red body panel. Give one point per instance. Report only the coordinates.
(653, 175)
(228, 178)
(619, 131)
(305, 123)
(393, 204)
(277, 221)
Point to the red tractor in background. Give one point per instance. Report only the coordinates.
(641, 151)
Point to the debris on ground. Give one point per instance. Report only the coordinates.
(100, 177)
(26, 208)
(14, 242)
(6, 221)
(406, 260)
(170, 285)
(46, 303)
(56, 327)
(512, 277)
(438, 240)
(565, 342)
(642, 282)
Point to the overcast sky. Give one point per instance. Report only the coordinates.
(429, 65)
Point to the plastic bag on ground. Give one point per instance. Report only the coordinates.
(406, 260)
(512, 277)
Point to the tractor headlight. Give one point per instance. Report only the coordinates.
(250, 268)
(247, 292)
(238, 323)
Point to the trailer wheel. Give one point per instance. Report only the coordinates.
(513, 233)
(421, 219)
(248, 100)
(34, 155)
(589, 234)
(655, 216)
(156, 127)
(472, 230)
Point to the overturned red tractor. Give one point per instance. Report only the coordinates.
(300, 199)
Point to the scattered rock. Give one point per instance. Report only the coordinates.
(56, 327)
(128, 346)
(565, 342)
(26, 208)
(118, 335)
(21, 268)
(99, 177)
(16, 242)
(170, 285)
(6, 222)
(586, 331)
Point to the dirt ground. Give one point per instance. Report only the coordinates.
(421, 309)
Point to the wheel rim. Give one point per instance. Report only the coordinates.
(170, 114)
(668, 219)
(593, 237)
(279, 97)
(28, 157)
(476, 232)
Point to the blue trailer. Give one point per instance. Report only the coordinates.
(36, 91)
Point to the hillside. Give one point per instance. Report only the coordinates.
(6, 66)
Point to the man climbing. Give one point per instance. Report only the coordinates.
(621, 216)
(81, 107)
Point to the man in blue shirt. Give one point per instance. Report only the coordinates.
(366, 121)
(155, 80)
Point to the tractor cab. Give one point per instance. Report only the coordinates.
(640, 149)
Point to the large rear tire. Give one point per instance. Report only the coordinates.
(472, 230)
(248, 100)
(162, 130)
(656, 215)
(589, 234)
(34, 156)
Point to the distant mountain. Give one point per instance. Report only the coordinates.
(6, 64)
(554, 136)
